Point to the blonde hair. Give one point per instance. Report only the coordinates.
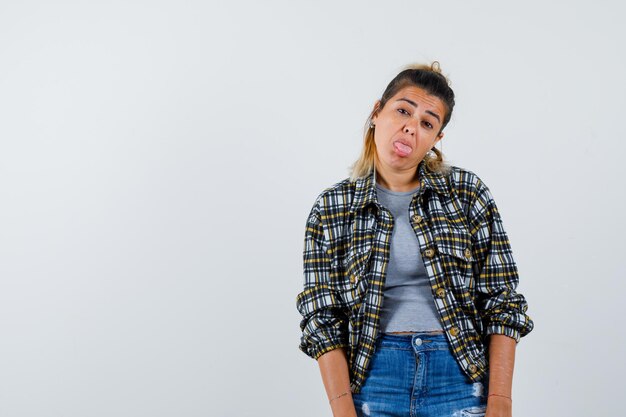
(426, 77)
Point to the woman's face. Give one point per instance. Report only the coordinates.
(407, 128)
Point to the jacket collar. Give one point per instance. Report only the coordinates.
(366, 186)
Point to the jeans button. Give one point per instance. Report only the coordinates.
(418, 341)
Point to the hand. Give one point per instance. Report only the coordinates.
(499, 407)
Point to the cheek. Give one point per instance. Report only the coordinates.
(383, 131)
(381, 139)
(381, 147)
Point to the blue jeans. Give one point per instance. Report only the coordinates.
(416, 375)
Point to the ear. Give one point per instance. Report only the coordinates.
(375, 110)
(439, 137)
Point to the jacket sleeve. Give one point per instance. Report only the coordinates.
(323, 324)
(503, 310)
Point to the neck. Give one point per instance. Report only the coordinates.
(405, 180)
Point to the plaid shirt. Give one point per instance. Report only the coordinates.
(465, 251)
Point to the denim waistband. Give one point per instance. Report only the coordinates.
(413, 341)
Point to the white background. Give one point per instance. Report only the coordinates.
(158, 160)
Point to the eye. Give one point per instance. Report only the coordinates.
(428, 125)
(403, 110)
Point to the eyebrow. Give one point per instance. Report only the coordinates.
(414, 104)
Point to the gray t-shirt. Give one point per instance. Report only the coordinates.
(408, 303)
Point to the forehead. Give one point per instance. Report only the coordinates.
(424, 100)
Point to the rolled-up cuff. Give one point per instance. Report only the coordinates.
(498, 328)
(321, 349)
(318, 338)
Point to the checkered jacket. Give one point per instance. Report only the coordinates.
(465, 251)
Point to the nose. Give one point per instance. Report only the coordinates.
(411, 127)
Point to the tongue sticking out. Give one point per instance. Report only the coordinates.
(402, 149)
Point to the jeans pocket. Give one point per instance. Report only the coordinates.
(474, 411)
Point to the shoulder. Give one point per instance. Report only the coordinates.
(464, 180)
(473, 193)
(336, 198)
(468, 188)
(466, 184)
(330, 212)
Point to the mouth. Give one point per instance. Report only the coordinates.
(402, 147)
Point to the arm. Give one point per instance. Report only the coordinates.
(323, 325)
(501, 363)
(335, 375)
(503, 310)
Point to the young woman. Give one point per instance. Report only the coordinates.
(409, 303)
